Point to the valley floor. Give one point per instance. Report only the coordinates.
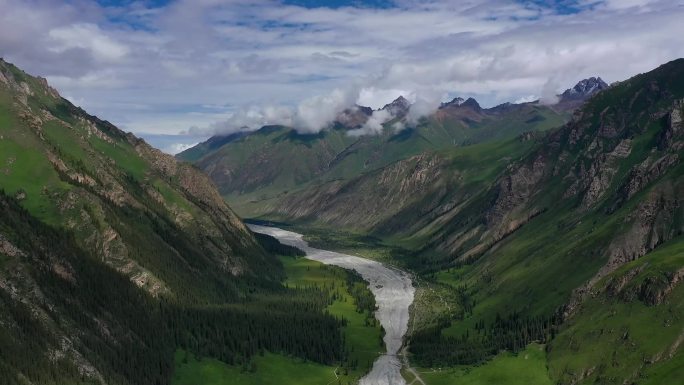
(528, 367)
(435, 299)
(363, 339)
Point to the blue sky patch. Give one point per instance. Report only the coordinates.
(121, 3)
(341, 3)
(562, 7)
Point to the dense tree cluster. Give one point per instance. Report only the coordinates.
(88, 321)
(363, 298)
(233, 334)
(512, 332)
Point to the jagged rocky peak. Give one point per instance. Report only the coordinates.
(398, 107)
(460, 102)
(365, 110)
(472, 103)
(354, 117)
(457, 101)
(585, 88)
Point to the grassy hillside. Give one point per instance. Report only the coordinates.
(526, 367)
(113, 256)
(158, 221)
(526, 235)
(401, 200)
(532, 255)
(259, 168)
(267, 369)
(631, 328)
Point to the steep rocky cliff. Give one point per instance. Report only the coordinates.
(585, 229)
(110, 251)
(135, 208)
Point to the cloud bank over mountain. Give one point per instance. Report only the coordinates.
(163, 67)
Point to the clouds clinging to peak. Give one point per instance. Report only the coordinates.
(265, 61)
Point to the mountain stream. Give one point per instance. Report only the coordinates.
(393, 291)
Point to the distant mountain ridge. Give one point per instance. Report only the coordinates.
(572, 237)
(585, 88)
(279, 159)
(573, 97)
(399, 107)
(276, 159)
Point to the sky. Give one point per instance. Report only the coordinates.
(178, 71)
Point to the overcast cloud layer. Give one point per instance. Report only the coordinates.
(198, 67)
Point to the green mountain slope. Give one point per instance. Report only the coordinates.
(534, 254)
(274, 161)
(571, 237)
(631, 328)
(403, 198)
(114, 256)
(66, 317)
(158, 221)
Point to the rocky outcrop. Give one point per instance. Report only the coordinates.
(651, 224)
(194, 182)
(101, 181)
(580, 93)
(652, 288)
(673, 136)
(8, 249)
(599, 176)
(398, 108)
(368, 200)
(354, 117)
(642, 175)
(510, 209)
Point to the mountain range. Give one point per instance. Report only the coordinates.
(533, 223)
(544, 234)
(267, 164)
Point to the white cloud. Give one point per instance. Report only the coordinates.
(376, 98)
(549, 91)
(425, 102)
(89, 37)
(374, 125)
(179, 147)
(526, 99)
(263, 61)
(249, 119)
(316, 113)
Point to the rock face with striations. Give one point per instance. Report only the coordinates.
(585, 89)
(398, 108)
(107, 186)
(581, 92)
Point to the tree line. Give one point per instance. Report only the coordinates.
(512, 332)
(92, 322)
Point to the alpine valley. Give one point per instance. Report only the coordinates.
(119, 264)
(545, 239)
(530, 243)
